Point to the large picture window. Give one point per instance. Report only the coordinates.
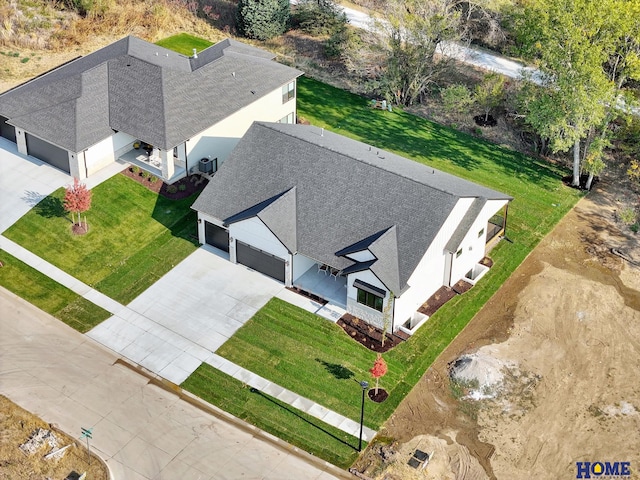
(370, 300)
(288, 92)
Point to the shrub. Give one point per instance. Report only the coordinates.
(145, 174)
(153, 179)
(172, 189)
(628, 216)
(182, 187)
(262, 19)
(135, 169)
(456, 99)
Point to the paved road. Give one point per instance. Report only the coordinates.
(142, 431)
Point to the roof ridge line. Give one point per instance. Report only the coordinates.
(368, 163)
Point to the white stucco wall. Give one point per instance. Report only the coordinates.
(473, 245)
(301, 264)
(255, 233)
(219, 139)
(430, 273)
(105, 152)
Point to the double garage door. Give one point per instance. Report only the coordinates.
(247, 255)
(261, 261)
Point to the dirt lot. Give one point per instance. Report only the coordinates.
(16, 427)
(564, 334)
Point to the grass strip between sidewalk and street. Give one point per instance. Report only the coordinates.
(273, 416)
(48, 295)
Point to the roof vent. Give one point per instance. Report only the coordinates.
(195, 53)
(322, 132)
(234, 74)
(156, 54)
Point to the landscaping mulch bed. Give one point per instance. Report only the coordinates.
(367, 335)
(184, 187)
(308, 295)
(487, 262)
(379, 397)
(442, 296)
(461, 287)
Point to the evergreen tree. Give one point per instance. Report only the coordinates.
(262, 19)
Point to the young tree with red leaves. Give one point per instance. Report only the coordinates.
(77, 199)
(378, 370)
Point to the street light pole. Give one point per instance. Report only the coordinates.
(364, 386)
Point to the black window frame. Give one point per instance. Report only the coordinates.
(369, 299)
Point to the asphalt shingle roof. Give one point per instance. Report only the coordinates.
(347, 193)
(149, 92)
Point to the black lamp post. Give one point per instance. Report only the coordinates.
(364, 386)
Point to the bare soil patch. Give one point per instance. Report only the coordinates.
(16, 427)
(556, 349)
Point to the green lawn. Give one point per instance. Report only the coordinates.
(184, 43)
(48, 295)
(135, 237)
(273, 416)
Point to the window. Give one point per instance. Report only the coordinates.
(370, 300)
(288, 92)
(287, 119)
(458, 253)
(480, 233)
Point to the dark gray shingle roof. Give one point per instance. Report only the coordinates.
(147, 91)
(346, 194)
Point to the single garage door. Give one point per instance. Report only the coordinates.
(7, 131)
(261, 261)
(216, 236)
(47, 152)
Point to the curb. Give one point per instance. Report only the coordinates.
(227, 417)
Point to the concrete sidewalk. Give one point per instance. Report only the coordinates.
(147, 342)
(142, 431)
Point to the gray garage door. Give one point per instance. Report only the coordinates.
(260, 261)
(7, 131)
(47, 152)
(216, 236)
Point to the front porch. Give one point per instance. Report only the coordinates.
(324, 284)
(153, 164)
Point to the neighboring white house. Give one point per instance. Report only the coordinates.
(177, 110)
(364, 228)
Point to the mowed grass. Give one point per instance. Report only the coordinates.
(292, 347)
(135, 237)
(273, 416)
(48, 295)
(184, 43)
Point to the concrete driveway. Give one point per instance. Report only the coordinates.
(24, 181)
(183, 318)
(142, 431)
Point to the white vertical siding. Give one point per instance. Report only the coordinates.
(218, 140)
(430, 273)
(473, 245)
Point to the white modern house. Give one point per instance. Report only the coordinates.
(144, 104)
(363, 228)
